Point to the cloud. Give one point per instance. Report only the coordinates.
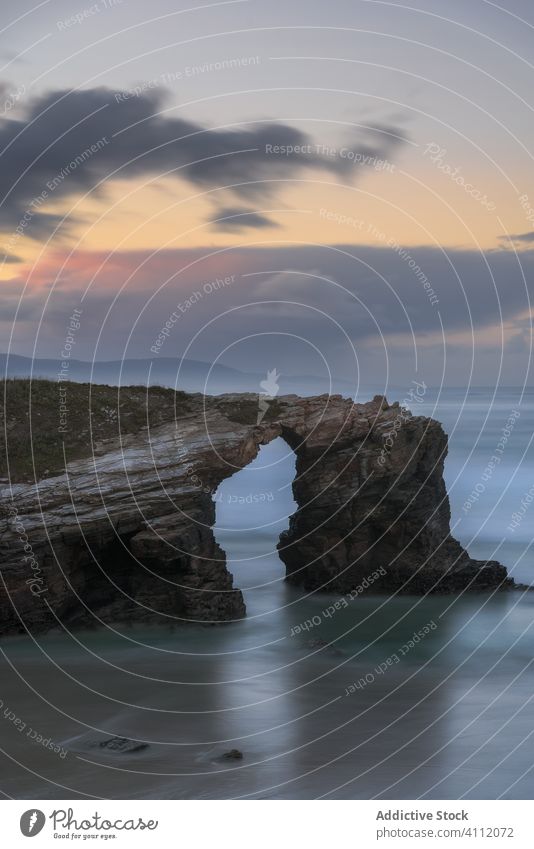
(370, 296)
(350, 282)
(519, 343)
(233, 219)
(68, 142)
(518, 237)
(27, 306)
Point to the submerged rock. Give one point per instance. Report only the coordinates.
(322, 644)
(232, 755)
(121, 744)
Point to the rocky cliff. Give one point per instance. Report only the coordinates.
(124, 532)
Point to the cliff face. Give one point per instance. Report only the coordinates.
(371, 494)
(126, 534)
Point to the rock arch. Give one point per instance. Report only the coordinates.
(136, 520)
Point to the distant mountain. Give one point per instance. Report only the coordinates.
(189, 375)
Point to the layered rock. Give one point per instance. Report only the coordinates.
(371, 495)
(126, 535)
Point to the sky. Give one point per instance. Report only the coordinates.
(322, 188)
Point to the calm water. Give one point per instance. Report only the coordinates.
(451, 717)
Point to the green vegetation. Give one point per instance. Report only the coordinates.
(245, 412)
(39, 433)
(43, 421)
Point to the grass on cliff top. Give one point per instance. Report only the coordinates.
(245, 411)
(31, 418)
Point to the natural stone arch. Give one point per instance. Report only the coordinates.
(360, 508)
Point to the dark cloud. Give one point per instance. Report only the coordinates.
(518, 237)
(519, 343)
(27, 306)
(233, 219)
(69, 142)
(289, 299)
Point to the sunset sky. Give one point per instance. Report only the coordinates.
(362, 168)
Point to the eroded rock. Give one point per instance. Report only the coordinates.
(232, 755)
(126, 535)
(121, 745)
